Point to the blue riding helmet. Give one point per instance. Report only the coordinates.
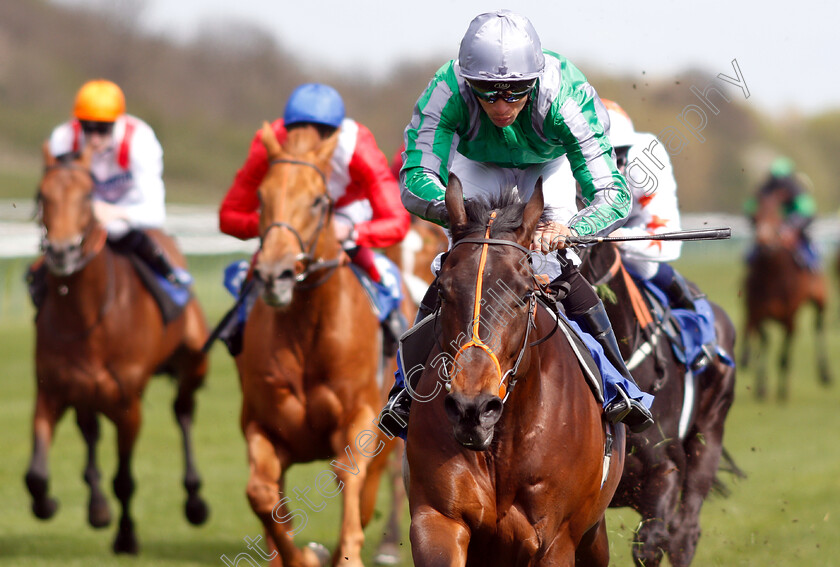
(314, 102)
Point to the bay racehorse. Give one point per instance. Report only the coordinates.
(775, 289)
(99, 338)
(496, 478)
(310, 361)
(669, 469)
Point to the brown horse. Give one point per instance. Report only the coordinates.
(776, 287)
(99, 338)
(670, 468)
(310, 360)
(496, 478)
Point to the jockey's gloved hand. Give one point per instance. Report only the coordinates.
(350, 247)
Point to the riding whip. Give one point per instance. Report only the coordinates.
(695, 234)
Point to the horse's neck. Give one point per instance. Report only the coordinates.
(82, 296)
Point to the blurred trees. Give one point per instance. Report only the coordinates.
(206, 99)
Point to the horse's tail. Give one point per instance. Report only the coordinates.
(728, 465)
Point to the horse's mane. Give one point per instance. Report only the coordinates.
(509, 209)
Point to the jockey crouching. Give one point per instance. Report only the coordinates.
(502, 115)
(798, 211)
(368, 212)
(127, 171)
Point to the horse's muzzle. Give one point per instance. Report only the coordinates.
(279, 290)
(63, 258)
(473, 418)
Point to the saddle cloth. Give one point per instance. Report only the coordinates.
(171, 299)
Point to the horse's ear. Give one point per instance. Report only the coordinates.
(325, 151)
(269, 140)
(86, 156)
(49, 159)
(531, 215)
(455, 203)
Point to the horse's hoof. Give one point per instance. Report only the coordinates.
(99, 515)
(196, 510)
(126, 542)
(388, 554)
(44, 508)
(316, 552)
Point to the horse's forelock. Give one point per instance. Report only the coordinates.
(302, 140)
(509, 210)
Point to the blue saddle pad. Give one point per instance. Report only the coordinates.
(697, 328)
(385, 296)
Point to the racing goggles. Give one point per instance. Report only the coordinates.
(93, 127)
(508, 92)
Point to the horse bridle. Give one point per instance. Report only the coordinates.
(307, 249)
(511, 374)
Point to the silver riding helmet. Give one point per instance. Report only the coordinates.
(501, 45)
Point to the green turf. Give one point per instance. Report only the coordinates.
(785, 513)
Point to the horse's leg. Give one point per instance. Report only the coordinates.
(784, 362)
(388, 552)
(354, 477)
(822, 351)
(191, 368)
(438, 541)
(47, 414)
(657, 498)
(264, 488)
(703, 450)
(761, 369)
(127, 420)
(594, 548)
(99, 515)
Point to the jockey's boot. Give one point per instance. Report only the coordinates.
(625, 409)
(147, 250)
(36, 282)
(679, 294)
(393, 326)
(394, 416)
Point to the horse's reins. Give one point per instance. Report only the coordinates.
(476, 342)
(307, 250)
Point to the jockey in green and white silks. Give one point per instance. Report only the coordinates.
(502, 115)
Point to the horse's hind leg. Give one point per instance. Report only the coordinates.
(761, 369)
(37, 476)
(190, 368)
(822, 351)
(784, 364)
(99, 515)
(127, 421)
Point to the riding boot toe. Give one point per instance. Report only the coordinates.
(394, 416)
(631, 412)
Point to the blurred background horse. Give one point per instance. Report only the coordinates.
(99, 338)
(777, 285)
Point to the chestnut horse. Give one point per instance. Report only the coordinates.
(776, 287)
(99, 338)
(497, 478)
(310, 360)
(669, 469)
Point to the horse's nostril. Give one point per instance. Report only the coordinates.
(286, 275)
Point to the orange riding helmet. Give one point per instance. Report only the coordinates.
(99, 101)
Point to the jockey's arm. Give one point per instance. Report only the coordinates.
(239, 214)
(369, 169)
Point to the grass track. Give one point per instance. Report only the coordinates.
(786, 513)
